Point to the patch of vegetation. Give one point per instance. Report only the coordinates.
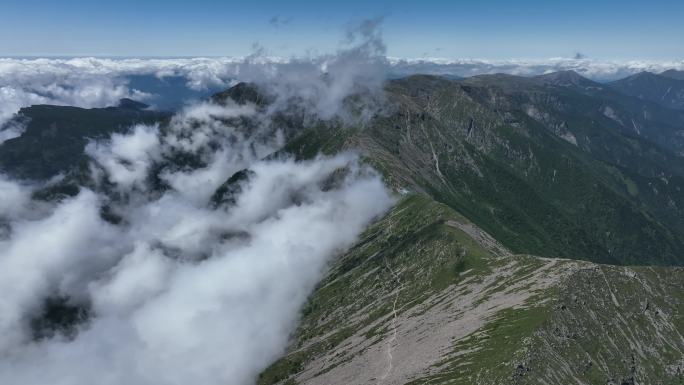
(492, 349)
(56, 136)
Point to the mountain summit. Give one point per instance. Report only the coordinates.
(665, 90)
(567, 78)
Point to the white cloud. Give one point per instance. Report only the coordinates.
(50, 255)
(180, 290)
(15, 198)
(128, 158)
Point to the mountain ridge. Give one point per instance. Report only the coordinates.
(659, 88)
(520, 250)
(54, 137)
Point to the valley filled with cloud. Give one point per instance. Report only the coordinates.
(190, 246)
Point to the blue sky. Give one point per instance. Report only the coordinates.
(491, 29)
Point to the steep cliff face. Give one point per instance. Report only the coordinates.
(473, 145)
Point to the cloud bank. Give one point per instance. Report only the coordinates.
(181, 293)
(188, 251)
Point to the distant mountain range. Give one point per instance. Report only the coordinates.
(666, 89)
(673, 74)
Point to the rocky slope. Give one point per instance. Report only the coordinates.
(428, 298)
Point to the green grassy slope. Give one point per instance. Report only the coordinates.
(660, 89)
(516, 178)
(56, 136)
(452, 307)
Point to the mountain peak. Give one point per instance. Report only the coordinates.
(673, 74)
(242, 93)
(132, 104)
(565, 78)
(657, 88)
(643, 75)
(644, 78)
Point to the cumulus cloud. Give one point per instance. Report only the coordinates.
(127, 158)
(182, 292)
(188, 251)
(78, 82)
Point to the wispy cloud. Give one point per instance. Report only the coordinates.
(279, 21)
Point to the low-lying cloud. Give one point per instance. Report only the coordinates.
(182, 292)
(188, 251)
